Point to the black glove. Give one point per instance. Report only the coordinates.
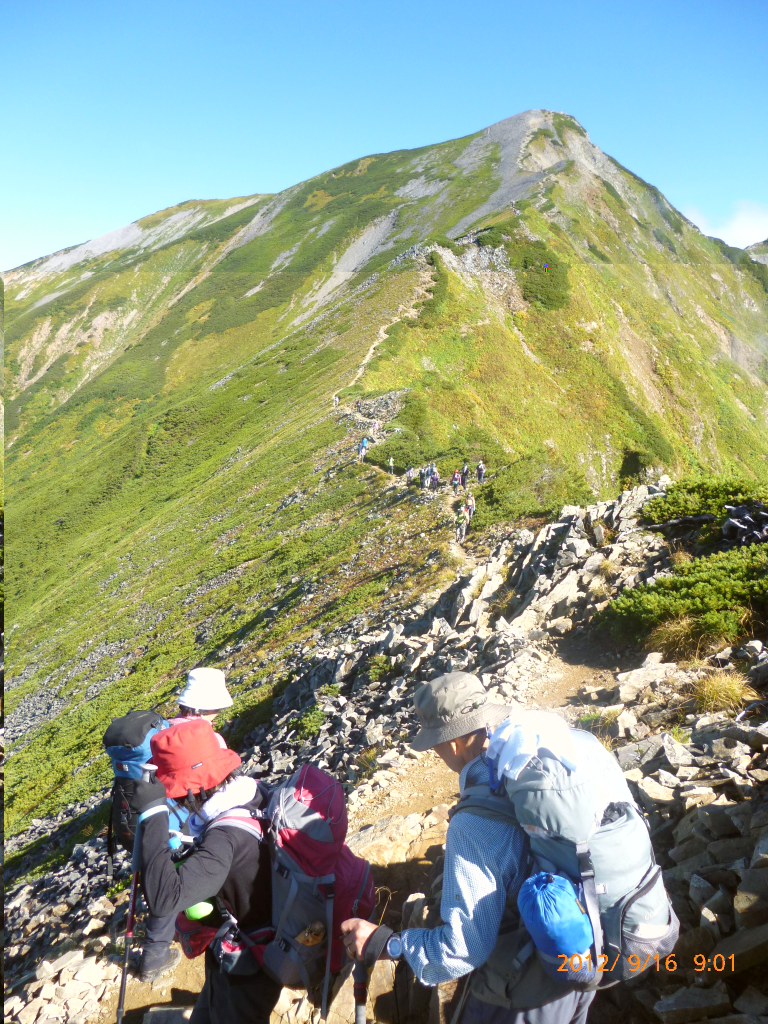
(146, 794)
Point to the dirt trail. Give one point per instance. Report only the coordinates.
(422, 289)
(427, 783)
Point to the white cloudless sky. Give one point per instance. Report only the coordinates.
(115, 110)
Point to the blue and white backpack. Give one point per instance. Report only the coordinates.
(127, 743)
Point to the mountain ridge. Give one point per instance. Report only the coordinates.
(185, 489)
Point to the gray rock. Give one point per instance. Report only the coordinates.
(752, 1001)
(693, 1004)
(700, 891)
(748, 946)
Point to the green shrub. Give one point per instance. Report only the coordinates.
(672, 219)
(308, 724)
(433, 307)
(563, 123)
(529, 487)
(379, 668)
(404, 447)
(542, 276)
(743, 261)
(695, 496)
(612, 191)
(664, 239)
(707, 601)
(599, 253)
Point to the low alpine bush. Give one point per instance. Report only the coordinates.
(707, 601)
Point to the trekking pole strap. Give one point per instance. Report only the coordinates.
(375, 945)
(587, 872)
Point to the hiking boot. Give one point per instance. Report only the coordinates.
(156, 960)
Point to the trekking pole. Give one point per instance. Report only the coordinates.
(360, 986)
(146, 775)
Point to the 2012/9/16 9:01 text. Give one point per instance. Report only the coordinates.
(700, 962)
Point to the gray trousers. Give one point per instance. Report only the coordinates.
(570, 1008)
(159, 936)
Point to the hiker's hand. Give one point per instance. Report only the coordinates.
(355, 933)
(147, 794)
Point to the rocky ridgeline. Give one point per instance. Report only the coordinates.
(348, 708)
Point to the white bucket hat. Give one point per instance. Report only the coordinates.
(206, 690)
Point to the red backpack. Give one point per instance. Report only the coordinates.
(317, 882)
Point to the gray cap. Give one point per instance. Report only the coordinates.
(451, 706)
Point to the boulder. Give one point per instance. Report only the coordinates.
(750, 904)
(752, 1001)
(725, 851)
(693, 1004)
(747, 946)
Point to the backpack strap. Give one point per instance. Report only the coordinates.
(238, 817)
(111, 840)
(481, 801)
(361, 890)
(587, 872)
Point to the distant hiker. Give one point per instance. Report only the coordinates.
(375, 426)
(469, 504)
(422, 477)
(486, 863)
(409, 474)
(456, 480)
(435, 477)
(335, 401)
(480, 471)
(461, 525)
(464, 475)
(241, 830)
(358, 406)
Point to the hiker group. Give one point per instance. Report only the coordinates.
(429, 477)
(549, 885)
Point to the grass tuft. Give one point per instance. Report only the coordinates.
(723, 691)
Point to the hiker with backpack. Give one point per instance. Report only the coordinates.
(461, 525)
(549, 886)
(127, 742)
(455, 481)
(470, 505)
(481, 472)
(268, 880)
(464, 474)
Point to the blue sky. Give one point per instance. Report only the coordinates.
(115, 110)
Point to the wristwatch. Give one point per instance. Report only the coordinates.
(394, 947)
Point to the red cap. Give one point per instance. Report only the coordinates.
(189, 756)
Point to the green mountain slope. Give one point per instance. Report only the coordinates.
(183, 488)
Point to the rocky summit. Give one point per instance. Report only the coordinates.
(231, 434)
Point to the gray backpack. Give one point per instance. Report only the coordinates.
(584, 824)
